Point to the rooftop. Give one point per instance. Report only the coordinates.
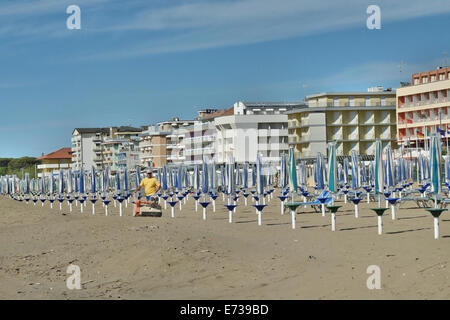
(64, 153)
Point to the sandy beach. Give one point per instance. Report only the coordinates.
(188, 258)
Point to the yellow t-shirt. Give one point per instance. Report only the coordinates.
(150, 185)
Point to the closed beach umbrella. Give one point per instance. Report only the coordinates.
(332, 183)
(81, 181)
(355, 170)
(164, 178)
(389, 170)
(292, 173)
(205, 187)
(61, 182)
(245, 176)
(230, 176)
(259, 175)
(93, 184)
(435, 164)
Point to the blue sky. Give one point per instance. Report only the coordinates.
(140, 62)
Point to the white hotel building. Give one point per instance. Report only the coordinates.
(254, 128)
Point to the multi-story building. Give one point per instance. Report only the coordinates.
(99, 147)
(254, 128)
(175, 129)
(53, 162)
(163, 144)
(423, 106)
(87, 148)
(153, 148)
(121, 149)
(354, 120)
(200, 139)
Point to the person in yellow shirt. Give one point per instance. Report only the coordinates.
(151, 185)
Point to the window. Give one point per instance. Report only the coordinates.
(351, 101)
(367, 101)
(383, 101)
(433, 78)
(336, 102)
(416, 81)
(424, 79)
(441, 76)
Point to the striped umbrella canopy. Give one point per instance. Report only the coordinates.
(230, 176)
(138, 176)
(245, 175)
(125, 180)
(43, 184)
(332, 178)
(435, 164)
(389, 168)
(345, 170)
(447, 169)
(27, 183)
(355, 171)
(82, 181)
(222, 176)
(69, 181)
(164, 178)
(93, 181)
(303, 173)
(205, 186)
(61, 181)
(283, 180)
(212, 176)
(320, 178)
(180, 179)
(293, 185)
(378, 170)
(105, 179)
(259, 175)
(118, 187)
(253, 176)
(196, 178)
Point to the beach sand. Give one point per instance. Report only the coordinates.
(188, 258)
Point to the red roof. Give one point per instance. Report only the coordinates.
(220, 113)
(64, 153)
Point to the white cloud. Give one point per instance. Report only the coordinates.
(194, 25)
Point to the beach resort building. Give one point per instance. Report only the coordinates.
(99, 147)
(200, 139)
(87, 147)
(175, 130)
(120, 150)
(53, 162)
(355, 120)
(423, 107)
(163, 144)
(153, 148)
(254, 128)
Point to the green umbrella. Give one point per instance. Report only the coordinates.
(332, 172)
(435, 166)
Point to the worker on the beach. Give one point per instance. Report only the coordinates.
(151, 187)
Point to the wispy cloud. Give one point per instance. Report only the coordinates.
(160, 26)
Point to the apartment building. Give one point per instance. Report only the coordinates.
(200, 139)
(53, 162)
(153, 148)
(163, 144)
(423, 106)
(116, 147)
(254, 128)
(176, 130)
(355, 120)
(87, 148)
